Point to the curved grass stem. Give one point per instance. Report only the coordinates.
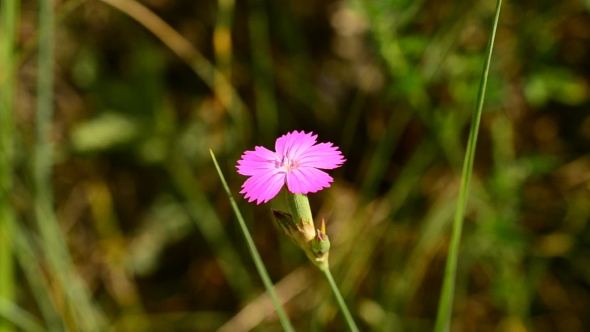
(200, 65)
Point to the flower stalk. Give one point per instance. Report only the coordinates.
(296, 165)
(299, 227)
(340, 300)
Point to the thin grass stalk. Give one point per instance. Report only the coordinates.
(352, 122)
(382, 155)
(43, 161)
(30, 45)
(28, 258)
(85, 316)
(399, 194)
(208, 223)
(284, 319)
(19, 317)
(297, 58)
(131, 316)
(223, 52)
(266, 103)
(443, 318)
(9, 10)
(222, 41)
(43, 156)
(202, 67)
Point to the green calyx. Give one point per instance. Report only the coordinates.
(299, 227)
(298, 205)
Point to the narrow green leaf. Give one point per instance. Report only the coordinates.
(285, 322)
(445, 306)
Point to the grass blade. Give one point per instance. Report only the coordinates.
(285, 322)
(54, 244)
(19, 317)
(27, 254)
(220, 85)
(210, 226)
(443, 318)
(266, 105)
(9, 10)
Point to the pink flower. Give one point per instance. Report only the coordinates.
(296, 162)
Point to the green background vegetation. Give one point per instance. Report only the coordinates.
(112, 215)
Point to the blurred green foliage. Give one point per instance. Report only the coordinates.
(393, 83)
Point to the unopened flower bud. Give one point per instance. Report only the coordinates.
(321, 244)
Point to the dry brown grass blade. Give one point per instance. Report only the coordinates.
(261, 308)
(218, 83)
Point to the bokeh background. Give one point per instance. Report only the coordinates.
(139, 235)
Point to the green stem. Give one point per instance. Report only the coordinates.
(19, 317)
(210, 226)
(351, 325)
(443, 318)
(266, 105)
(27, 254)
(79, 299)
(285, 322)
(9, 10)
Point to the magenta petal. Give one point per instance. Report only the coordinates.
(300, 144)
(307, 180)
(281, 143)
(294, 184)
(253, 162)
(322, 155)
(297, 183)
(293, 144)
(273, 187)
(263, 186)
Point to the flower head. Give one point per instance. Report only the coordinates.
(296, 162)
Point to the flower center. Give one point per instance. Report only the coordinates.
(286, 164)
